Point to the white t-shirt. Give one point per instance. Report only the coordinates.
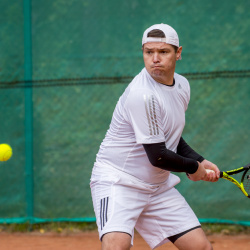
(147, 112)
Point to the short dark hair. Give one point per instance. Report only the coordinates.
(156, 33)
(160, 33)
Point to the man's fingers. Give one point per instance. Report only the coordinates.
(211, 175)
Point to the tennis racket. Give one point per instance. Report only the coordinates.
(244, 185)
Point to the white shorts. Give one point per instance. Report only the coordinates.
(123, 202)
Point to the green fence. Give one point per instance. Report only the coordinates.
(63, 66)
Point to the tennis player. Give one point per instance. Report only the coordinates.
(131, 184)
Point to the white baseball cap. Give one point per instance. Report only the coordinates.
(171, 36)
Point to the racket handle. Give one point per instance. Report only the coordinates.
(209, 170)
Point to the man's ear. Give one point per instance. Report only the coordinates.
(178, 53)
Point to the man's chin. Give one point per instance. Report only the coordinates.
(157, 73)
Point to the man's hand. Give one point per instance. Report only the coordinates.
(211, 176)
(200, 174)
(207, 171)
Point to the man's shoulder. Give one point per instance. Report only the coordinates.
(180, 78)
(182, 81)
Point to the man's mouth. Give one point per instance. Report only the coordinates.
(156, 66)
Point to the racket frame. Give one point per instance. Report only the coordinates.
(226, 175)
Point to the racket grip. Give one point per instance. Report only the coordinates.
(209, 170)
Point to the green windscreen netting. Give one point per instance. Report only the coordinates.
(63, 66)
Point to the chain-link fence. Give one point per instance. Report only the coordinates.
(63, 66)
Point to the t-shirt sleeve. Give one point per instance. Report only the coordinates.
(144, 114)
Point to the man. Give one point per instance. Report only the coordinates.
(131, 183)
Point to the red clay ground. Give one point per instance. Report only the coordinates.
(89, 241)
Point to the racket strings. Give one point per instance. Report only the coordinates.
(246, 181)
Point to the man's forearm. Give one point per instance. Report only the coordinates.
(160, 156)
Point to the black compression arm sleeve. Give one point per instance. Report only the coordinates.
(185, 150)
(160, 156)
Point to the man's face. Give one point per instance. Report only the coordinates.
(160, 60)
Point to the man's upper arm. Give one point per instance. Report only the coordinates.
(144, 114)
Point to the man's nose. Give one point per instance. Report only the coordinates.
(156, 57)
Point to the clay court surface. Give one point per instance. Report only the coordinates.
(89, 241)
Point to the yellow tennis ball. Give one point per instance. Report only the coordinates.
(5, 152)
